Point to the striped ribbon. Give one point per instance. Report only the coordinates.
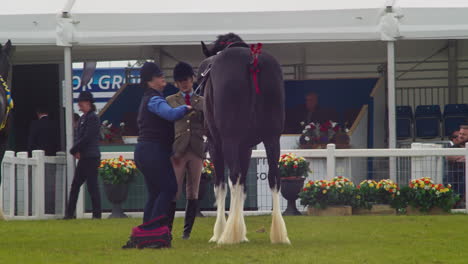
(10, 103)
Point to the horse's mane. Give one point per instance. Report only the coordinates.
(223, 41)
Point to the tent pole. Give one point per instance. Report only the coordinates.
(391, 94)
(391, 106)
(68, 104)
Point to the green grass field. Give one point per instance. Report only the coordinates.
(356, 239)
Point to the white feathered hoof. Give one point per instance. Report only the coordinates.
(220, 224)
(2, 217)
(278, 233)
(235, 231)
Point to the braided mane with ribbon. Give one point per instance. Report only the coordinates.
(9, 100)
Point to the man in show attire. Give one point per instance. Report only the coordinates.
(188, 146)
(43, 133)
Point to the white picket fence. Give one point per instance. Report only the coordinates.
(23, 178)
(23, 188)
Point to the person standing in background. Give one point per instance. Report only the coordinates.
(86, 151)
(188, 146)
(43, 133)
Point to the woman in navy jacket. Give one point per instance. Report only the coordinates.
(86, 150)
(153, 153)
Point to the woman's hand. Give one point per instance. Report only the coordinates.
(77, 156)
(189, 107)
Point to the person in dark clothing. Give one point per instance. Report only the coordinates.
(76, 118)
(153, 158)
(456, 164)
(86, 150)
(306, 113)
(43, 133)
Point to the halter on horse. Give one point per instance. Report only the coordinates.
(244, 106)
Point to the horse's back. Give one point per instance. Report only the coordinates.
(238, 109)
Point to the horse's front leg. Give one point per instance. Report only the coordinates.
(220, 190)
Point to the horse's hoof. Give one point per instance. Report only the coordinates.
(213, 240)
(282, 241)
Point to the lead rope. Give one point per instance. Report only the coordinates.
(9, 102)
(255, 50)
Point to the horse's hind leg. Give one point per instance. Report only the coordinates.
(238, 159)
(278, 233)
(220, 191)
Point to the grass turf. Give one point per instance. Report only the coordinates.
(356, 239)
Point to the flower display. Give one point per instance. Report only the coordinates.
(322, 134)
(208, 169)
(291, 165)
(323, 193)
(117, 170)
(109, 133)
(424, 194)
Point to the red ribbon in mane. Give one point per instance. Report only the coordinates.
(255, 50)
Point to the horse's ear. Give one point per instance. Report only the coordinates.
(7, 47)
(205, 50)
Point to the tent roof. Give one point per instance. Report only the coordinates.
(148, 22)
(433, 19)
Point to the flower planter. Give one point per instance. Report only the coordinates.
(377, 209)
(410, 210)
(341, 210)
(116, 194)
(290, 188)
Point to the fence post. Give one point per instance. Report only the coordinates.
(331, 161)
(61, 184)
(415, 163)
(10, 173)
(466, 174)
(24, 156)
(39, 188)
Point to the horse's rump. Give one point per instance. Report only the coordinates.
(237, 109)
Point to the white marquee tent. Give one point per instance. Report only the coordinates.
(61, 24)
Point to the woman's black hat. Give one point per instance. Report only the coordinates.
(182, 71)
(149, 70)
(86, 96)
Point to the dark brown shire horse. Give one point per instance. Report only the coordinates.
(4, 101)
(244, 106)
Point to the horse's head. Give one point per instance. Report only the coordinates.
(5, 59)
(223, 41)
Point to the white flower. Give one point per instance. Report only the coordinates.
(122, 124)
(307, 127)
(328, 187)
(427, 187)
(304, 131)
(346, 130)
(398, 193)
(109, 126)
(302, 123)
(307, 138)
(105, 122)
(437, 192)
